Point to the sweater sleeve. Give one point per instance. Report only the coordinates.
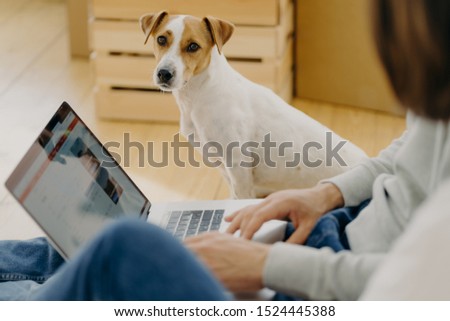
(318, 274)
(356, 184)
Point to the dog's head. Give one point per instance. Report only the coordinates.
(183, 45)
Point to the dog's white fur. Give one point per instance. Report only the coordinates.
(219, 104)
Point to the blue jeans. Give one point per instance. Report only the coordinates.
(130, 260)
(24, 265)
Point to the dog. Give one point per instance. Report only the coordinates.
(217, 104)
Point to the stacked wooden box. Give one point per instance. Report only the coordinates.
(261, 49)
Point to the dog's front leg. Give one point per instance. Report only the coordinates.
(240, 181)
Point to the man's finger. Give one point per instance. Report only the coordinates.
(232, 216)
(264, 214)
(235, 225)
(237, 217)
(301, 234)
(199, 238)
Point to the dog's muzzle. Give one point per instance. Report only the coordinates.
(165, 76)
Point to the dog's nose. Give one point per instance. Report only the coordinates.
(164, 75)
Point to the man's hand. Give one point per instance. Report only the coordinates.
(303, 207)
(236, 262)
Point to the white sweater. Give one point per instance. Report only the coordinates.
(417, 266)
(398, 181)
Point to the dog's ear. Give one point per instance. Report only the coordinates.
(220, 31)
(150, 21)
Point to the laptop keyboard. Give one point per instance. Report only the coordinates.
(183, 224)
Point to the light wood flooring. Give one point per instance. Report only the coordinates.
(37, 74)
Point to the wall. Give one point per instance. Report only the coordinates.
(336, 59)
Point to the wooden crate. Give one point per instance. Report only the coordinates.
(261, 49)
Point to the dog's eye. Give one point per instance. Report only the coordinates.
(193, 47)
(162, 41)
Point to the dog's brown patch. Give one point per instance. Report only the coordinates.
(159, 50)
(195, 32)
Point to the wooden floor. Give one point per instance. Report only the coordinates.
(37, 74)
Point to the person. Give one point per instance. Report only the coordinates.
(348, 223)
(412, 41)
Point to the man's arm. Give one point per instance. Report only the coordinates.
(318, 274)
(356, 184)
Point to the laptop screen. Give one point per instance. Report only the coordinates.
(71, 185)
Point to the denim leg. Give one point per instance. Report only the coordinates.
(33, 259)
(24, 265)
(133, 260)
(329, 230)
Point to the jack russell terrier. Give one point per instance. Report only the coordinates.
(217, 104)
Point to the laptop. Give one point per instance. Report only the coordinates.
(72, 187)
